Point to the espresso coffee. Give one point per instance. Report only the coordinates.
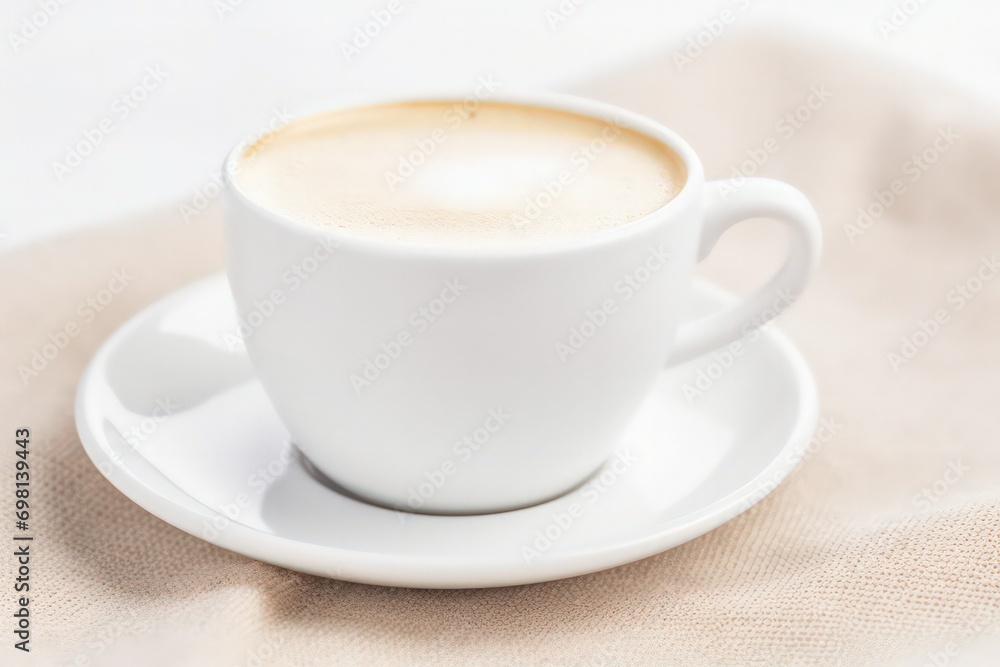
(439, 171)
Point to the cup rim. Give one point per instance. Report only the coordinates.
(554, 101)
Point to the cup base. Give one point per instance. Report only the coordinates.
(337, 487)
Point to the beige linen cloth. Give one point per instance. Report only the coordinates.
(882, 548)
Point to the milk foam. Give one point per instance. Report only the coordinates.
(433, 171)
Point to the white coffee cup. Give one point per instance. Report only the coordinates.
(515, 381)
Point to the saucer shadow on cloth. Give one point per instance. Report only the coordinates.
(170, 413)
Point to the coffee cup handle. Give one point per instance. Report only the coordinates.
(726, 205)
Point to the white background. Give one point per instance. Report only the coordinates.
(227, 71)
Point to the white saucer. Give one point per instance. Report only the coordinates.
(220, 466)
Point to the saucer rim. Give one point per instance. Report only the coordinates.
(400, 570)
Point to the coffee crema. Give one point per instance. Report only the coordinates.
(432, 171)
